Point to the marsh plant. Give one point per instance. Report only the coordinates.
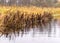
(21, 23)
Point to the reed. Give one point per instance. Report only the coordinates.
(17, 22)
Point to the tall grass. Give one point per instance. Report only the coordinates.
(21, 22)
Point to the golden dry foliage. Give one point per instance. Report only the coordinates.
(29, 10)
(22, 19)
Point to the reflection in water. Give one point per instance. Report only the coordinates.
(16, 23)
